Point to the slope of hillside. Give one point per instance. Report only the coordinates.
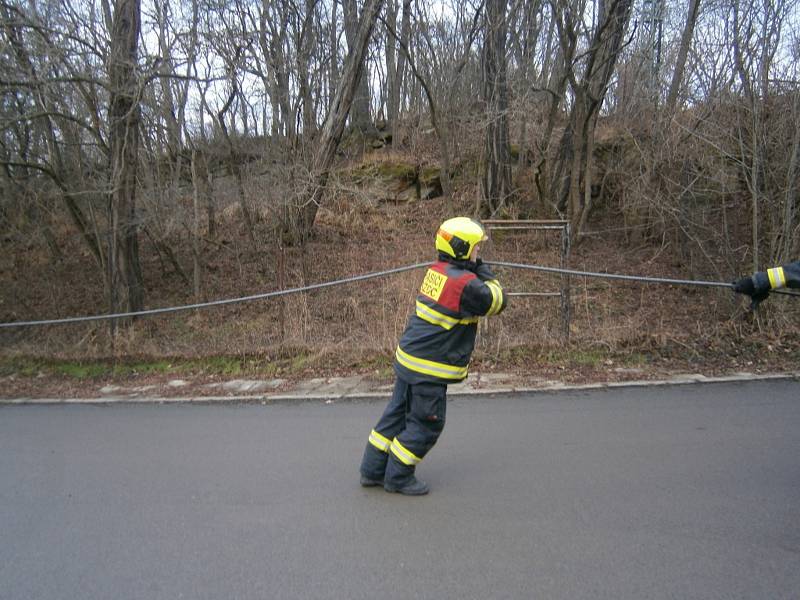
(618, 329)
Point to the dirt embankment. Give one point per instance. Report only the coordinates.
(618, 330)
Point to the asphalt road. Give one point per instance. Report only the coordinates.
(680, 492)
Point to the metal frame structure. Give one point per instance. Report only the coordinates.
(546, 225)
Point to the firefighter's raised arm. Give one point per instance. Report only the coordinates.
(759, 284)
(484, 296)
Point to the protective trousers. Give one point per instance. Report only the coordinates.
(409, 427)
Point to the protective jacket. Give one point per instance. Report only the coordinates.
(440, 336)
(772, 279)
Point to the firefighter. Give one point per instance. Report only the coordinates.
(434, 351)
(758, 285)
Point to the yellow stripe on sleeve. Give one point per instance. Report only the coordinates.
(777, 278)
(497, 297)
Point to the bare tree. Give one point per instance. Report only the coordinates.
(99, 114)
(439, 123)
(572, 172)
(756, 39)
(683, 52)
(304, 41)
(333, 128)
(524, 42)
(41, 121)
(496, 180)
(234, 156)
(556, 74)
(396, 62)
(273, 31)
(125, 276)
(360, 117)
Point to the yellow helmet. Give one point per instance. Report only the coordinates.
(457, 237)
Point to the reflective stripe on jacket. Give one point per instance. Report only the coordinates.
(440, 336)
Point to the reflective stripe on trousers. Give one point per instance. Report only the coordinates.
(413, 420)
(379, 441)
(403, 454)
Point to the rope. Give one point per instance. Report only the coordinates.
(171, 309)
(629, 277)
(610, 275)
(366, 276)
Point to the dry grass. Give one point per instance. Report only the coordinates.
(355, 327)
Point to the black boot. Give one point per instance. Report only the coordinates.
(369, 482)
(414, 487)
(373, 466)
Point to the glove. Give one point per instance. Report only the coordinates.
(483, 271)
(745, 285)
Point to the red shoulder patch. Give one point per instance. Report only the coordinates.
(450, 297)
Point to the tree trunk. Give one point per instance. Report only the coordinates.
(125, 276)
(496, 181)
(754, 105)
(405, 35)
(442, 132)
(589, 93)
(333, 128)
(360, 117)
(166, 71)
(531, 27)
(277, 25)
(333, 71)
(197, 264)
(545, 173)
(391, 63)
(205, 177)
(586, 209)
(305, 45)
(397, 73)
(683, 52)
(549, 53)
(235, 163)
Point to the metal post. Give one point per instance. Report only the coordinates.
(543, 224)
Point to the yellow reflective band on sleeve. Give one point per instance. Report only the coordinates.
(404, 455)
(430, 367)
(497, 297)
(426, 313)
(380, 442)
(777, 278)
